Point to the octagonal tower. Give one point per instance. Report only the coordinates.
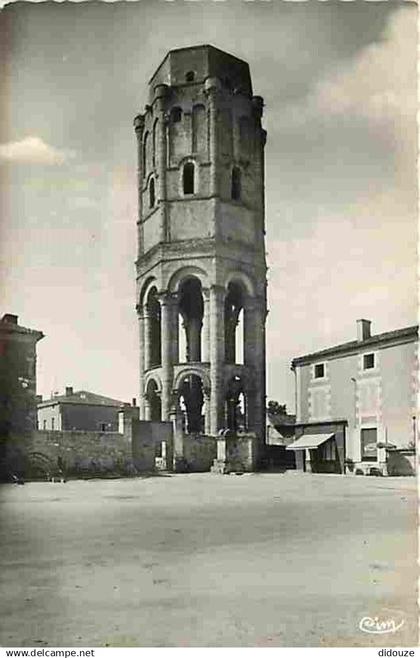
(201, 271)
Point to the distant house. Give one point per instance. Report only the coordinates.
(79, 410)
(280, 432)
(17, 390)
(356, 402)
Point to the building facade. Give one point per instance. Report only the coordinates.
(364, 392)
(201, 271)
(80, 410)
(17, 391)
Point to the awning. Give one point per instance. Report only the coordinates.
(309, 441)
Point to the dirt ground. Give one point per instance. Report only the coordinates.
(207, 560)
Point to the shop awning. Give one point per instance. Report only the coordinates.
(308, 441)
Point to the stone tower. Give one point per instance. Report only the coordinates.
(201, 271)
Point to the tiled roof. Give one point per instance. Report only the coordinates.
(83, 397)
(359, 345)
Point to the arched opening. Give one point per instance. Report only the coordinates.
(236, 184)
(153, 401)
(191, 404)
(154, 328)
(236, 405)
(176, 115)
(152, 193)
(191, 309)
(189, 76)
(188, 178)
(234, 324)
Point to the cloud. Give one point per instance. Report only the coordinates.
(33, 150)
(372, 85)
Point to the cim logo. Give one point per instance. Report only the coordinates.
(379, 626)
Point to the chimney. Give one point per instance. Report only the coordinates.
(363, 330)
(9, 318)
(38, 399)
(134, 402)
(69, 390)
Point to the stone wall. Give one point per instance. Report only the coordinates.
(198, 452)
(147, 438)
(80, 453)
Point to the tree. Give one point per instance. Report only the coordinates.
(275, 408)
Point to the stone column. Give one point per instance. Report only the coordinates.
(207, 419)
(147, 408)
(254, 348)
(217, 350)
(166, 327)
(147, 338)
(194, 346)
(161, 92)
(141, 361)
(205, 343)
(174, 334)
(139, 129)
(211, 89)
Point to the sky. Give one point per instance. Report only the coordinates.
(339, 85)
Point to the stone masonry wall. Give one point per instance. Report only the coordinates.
(80, 453)
(199, 452)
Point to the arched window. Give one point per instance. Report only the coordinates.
(188, 178)
(236, 184)
(152, 193)
(189, 76)
(176, 114)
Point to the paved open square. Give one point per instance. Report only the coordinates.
(206, 560)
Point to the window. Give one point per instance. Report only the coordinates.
(188, 178)
(319, 370)
(103, 427)
(368, 361)
(368, 444)
(152, 193)
(52, 423)
(176, 114)
(236, 184)
(44, 424)
(189, 76)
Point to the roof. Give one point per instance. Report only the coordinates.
(309, 441)
(82, 397)
(380, 340)
(9, 325)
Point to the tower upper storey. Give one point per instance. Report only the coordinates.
(201, 153)
(194, 65)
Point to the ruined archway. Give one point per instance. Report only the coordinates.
(153, 401)
(236, 405)
(234, 323)
(191, 310)
(153, 329)
(192, 403)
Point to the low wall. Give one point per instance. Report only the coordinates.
(78, 453)
(198, 452)
(147, 438)
(241, 452)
